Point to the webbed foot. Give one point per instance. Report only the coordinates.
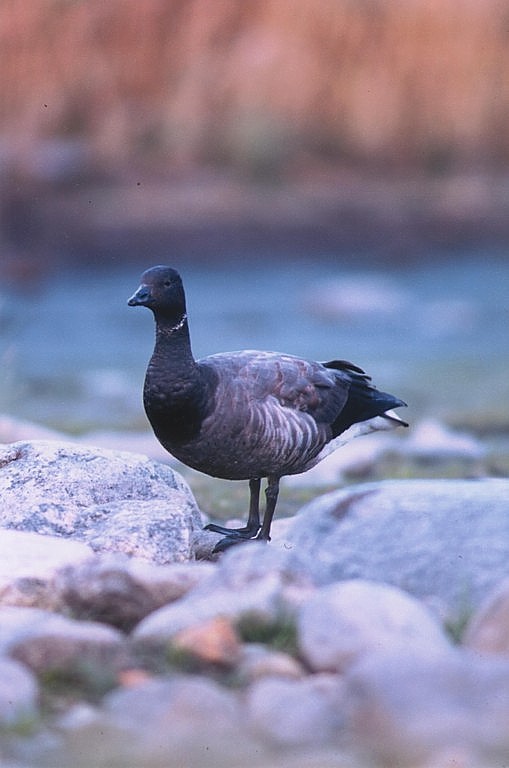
(247, 532)
(229, 541)
(232, 541)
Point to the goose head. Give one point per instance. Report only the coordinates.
(161, 290)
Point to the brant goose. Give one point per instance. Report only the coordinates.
(248, 415)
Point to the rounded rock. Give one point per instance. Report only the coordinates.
(296, 713)
(345, 621)
(488, 628)
(18, 693)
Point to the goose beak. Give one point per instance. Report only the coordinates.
(141, 298)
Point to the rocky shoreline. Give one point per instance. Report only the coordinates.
(371, 631)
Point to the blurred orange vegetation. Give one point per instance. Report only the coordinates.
(255, 83)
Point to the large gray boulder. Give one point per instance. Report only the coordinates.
(112, 500)
(445, 541)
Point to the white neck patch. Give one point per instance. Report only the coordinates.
(180, 324)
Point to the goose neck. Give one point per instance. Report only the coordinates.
(172, 350)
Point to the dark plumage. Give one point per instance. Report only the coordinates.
(247, 415)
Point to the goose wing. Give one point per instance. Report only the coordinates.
(252, 377)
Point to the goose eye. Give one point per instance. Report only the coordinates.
(167, 283)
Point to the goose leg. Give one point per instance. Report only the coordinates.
(253, 520)
(271, 494)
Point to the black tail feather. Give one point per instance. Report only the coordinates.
(364, 400)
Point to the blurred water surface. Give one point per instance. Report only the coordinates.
(73, 355)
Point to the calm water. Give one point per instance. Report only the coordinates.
(73, 354)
